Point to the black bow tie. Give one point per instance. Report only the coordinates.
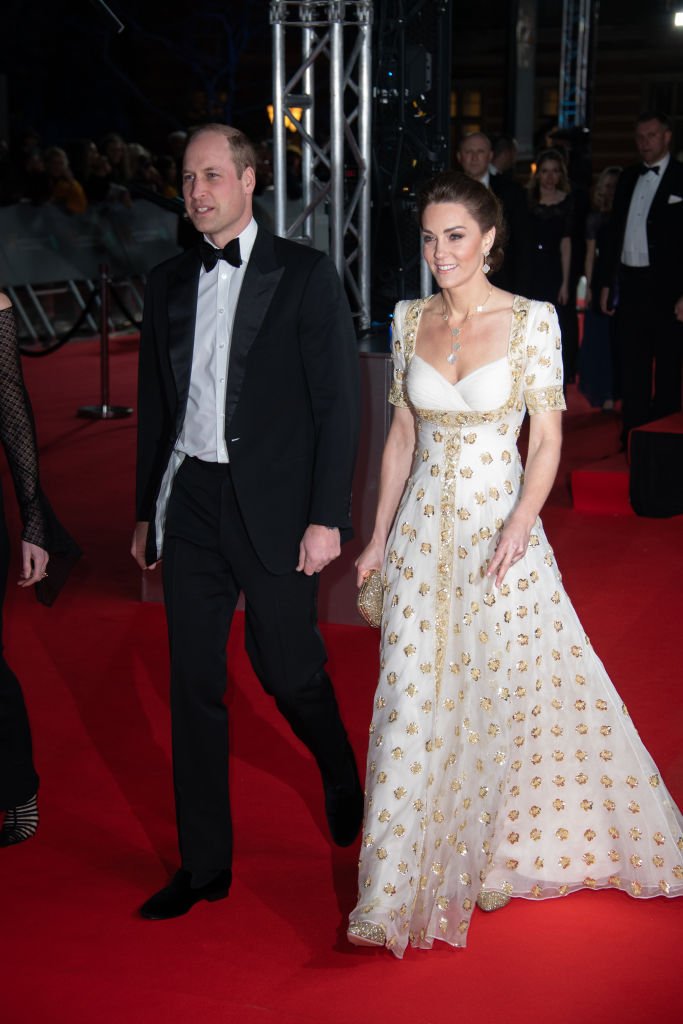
(210, 255)
(644, 169)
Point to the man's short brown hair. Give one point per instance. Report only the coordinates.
(242, 150)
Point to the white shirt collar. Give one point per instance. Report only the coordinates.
(662, 164)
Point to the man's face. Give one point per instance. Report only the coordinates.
(475, 156)
(652, 140)
(218, 203)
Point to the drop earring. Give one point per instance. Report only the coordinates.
(486, 268)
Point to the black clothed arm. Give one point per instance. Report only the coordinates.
(330, 354)
(18, 436)
(610, 254)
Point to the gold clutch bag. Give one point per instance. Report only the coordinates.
(371, 598)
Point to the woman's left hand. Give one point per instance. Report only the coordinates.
(33, 564)
(514, 540)
(563, 295)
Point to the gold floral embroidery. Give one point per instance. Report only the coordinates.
(545, 399)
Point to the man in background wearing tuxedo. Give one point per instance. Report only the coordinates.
(248, 422)
(475, 156)
(643, 277)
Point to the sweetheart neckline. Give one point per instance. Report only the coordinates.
(461, 380)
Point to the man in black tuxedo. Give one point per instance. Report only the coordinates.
(248, 419)
(643, 276)
(475, 155)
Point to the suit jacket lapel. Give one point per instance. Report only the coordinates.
(260, 281)
(182, 313)
(661, 197)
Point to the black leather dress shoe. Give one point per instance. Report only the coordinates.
(344, 805)
(178, 896)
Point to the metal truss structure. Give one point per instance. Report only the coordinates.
(327, 99)
(579, 21)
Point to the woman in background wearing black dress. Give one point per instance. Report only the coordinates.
(598, 359)
(41, 534)
(548, 252)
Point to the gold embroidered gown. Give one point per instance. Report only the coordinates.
(500, 755)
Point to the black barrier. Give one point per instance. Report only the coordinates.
(34, 353)
(104, 411)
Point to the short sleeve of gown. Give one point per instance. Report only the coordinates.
(399, 357)
(543, 369)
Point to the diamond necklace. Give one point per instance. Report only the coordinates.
(455, 331)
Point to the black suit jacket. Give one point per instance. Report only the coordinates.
(292, 402)
(664, 231)
(512, 198)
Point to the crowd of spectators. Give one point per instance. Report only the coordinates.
(84, 171)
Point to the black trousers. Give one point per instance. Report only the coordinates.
(18, 778)
(208, 559)
(650, 341)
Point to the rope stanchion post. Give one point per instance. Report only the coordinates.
(104, 411)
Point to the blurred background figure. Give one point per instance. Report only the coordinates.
(93, 170)
(598, 366)
(504, 156)
(546, 263)
(644, 276)
(30, 182)
(114, 148)
(64, 190)
(479, 161)
(143, 173)
(167, 170)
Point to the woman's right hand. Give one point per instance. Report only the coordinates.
(371, 558)
(34, 561)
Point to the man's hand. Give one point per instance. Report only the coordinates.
(604, 302)
(138, 544)
(319, 546)
(678, 310)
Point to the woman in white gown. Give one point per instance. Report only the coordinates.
(501, 761)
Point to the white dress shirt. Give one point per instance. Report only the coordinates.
(635, 251)
(203, 433)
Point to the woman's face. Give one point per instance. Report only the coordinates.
(114, 151)
(607, 190)
(549, 174)
(57, 165)
(453, 244)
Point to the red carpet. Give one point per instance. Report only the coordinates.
(94, 671)
(602, 487)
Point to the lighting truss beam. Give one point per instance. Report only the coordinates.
(335, 42)
(578, 20)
